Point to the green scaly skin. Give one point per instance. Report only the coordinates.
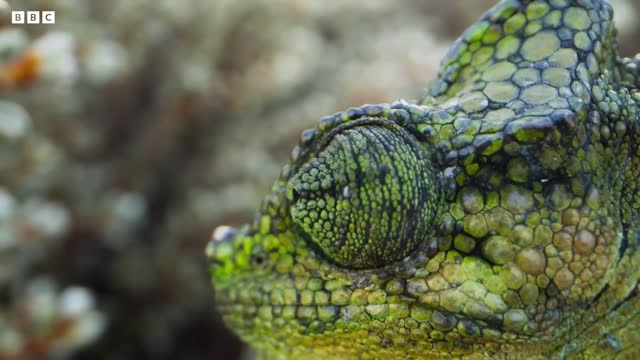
(498, 217)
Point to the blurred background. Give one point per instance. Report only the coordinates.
(130, 128)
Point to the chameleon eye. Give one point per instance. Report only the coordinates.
(369, 196)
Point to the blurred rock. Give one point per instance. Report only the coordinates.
(47, 323)
(14, 121)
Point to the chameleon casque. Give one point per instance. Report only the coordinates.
(496, 217)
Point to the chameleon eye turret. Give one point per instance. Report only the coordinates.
(368, 198)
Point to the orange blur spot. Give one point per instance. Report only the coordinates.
(20, 71)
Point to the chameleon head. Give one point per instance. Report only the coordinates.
(498, 216)
(360, 194)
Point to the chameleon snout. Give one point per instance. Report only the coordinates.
(219, 249)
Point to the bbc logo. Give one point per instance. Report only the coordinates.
(33, 17)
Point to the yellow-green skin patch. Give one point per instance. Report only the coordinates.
(497, 218)
(540, 46)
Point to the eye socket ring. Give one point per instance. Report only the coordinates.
(391, 196)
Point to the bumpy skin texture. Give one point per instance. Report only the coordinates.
(519, 169)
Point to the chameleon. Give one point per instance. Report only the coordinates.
(495, 217)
